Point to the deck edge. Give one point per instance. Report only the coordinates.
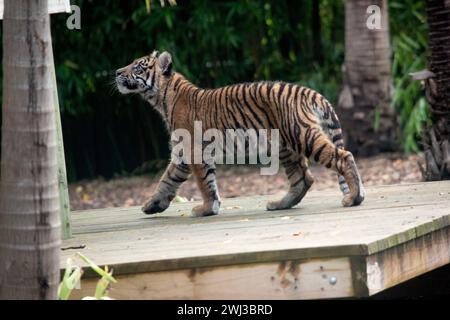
(230, 259)
(408, 260)
(408, 235)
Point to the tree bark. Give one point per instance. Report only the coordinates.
(364, 103)
(29, 203)
(437, 136)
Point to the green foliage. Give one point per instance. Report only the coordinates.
(409, 46)
(148, 4)
(72, 276)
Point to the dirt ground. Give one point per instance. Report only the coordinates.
(234, 181)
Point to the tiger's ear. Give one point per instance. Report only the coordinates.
(154, 54)
(165, 63)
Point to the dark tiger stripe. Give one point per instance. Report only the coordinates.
(164, 103)
(248, 121)
(269, 87)
(336, 156)
(287, 114)
(238, 107)
(233, 112)
(260, 123)
(305, 106)
(168, 183)
(262, 113)
(319, 152)
(280, 92)
(176, 84)
(177, 178)
(152, 81)
(266, 109)
(296, 183)
(209, 172)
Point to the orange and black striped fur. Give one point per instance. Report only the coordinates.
(309, 128)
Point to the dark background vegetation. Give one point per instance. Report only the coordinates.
(213, 43)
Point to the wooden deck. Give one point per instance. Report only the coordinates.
(316, 250)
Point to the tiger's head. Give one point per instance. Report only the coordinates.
(145, 75)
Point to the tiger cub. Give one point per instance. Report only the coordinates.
(307, 124)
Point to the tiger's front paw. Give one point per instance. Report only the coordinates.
(156, 205)
(205, 210)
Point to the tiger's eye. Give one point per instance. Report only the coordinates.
(138, 69)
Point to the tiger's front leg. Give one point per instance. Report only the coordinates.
(167, 188)
(205, 175)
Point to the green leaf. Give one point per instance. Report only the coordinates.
(97, 269)
(71, 278)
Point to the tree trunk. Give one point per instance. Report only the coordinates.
(364, 103)
(437, 136)
(29, 203)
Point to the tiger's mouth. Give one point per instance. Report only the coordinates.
(124, 85)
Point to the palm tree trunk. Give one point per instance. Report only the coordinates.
(29, 203)
(437, 136)
(364, 103)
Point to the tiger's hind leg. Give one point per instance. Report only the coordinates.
(332, 128)
(334, 133)
(343, 186)
(341, 161)
(300, 180)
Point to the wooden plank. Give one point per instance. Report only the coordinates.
(57, 6)
(403, 262)
(304, 279)
(54, 6)
(64, 203)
